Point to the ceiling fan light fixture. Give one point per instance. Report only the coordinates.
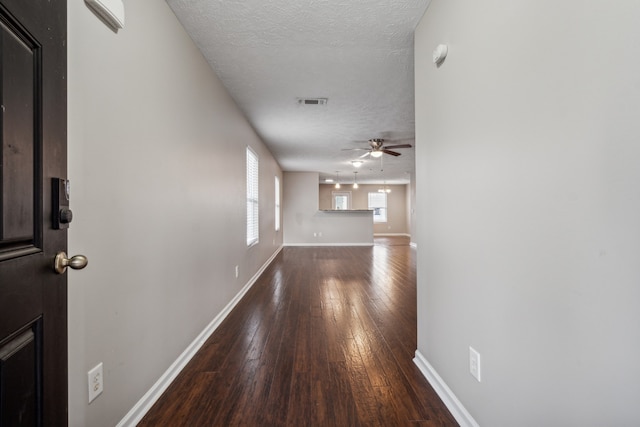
(376, 154)
(357, 163)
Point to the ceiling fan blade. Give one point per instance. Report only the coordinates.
(398, 146)
(365, 155)
(355, 149)
(393, 153)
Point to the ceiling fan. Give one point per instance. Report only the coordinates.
(377, 148)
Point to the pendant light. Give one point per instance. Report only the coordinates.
(355, 181)
(337, 186)
(384, 188)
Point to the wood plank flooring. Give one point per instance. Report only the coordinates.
(325, 337)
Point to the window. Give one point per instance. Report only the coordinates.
(277, 203)
(340, 200)
(252, 197)
(378, 204)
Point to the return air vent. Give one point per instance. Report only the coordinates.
(312, 101)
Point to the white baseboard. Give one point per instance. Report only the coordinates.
(328, 244)
(139, 410)
(391, 234)
(462, 416)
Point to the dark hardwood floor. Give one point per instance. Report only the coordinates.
(325, 337)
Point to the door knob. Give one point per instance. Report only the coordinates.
(77, 262)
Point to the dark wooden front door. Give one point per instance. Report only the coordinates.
(33, 298)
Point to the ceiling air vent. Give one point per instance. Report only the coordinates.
(312, 101)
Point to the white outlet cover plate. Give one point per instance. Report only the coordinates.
(95, 381)
(474, 363)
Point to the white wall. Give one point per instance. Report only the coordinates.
(157, 163)
(411, 207)
(529, 205)
(302, 219)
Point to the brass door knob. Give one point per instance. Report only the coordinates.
(77, 262)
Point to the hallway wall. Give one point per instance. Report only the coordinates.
(157, 170)
(529, 205)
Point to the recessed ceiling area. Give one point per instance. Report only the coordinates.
(274, 56)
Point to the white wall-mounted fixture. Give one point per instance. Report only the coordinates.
(439, 54)
(112, 11)
(96, 383)
(474, 363)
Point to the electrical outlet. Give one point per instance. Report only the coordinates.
(95, 382)
(237, 271)
(474, 363)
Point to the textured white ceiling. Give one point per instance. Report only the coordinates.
(358, 54)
